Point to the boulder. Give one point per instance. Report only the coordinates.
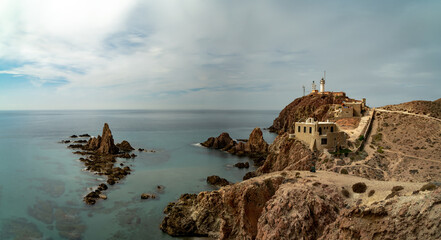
(148, 196)
(217, 181)
(242, 165)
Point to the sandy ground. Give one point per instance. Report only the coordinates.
(382, 188)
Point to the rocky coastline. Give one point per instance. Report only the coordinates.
(347, 198)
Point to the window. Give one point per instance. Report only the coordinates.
(332, 129)
(304, 129)
(310, 129)
(299, 129)
(324, 141)
(320, 130)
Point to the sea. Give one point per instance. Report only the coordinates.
(42, 183)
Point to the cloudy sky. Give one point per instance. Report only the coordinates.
(200, 54)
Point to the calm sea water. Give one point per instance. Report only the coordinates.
(42, 183)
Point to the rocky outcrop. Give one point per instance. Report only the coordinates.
(223, 141)
(256, 147)
(265, 207)
(313, 105)
(125, 146)
(405, 217)
(299, 211)
(287, 154)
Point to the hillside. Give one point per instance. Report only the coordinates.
(312, 105)
(432, 109)
(401, 160)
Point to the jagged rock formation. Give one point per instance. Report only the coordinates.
(405, 217)
(287, 154)
(313, 105)
(260, 208)
(100, 156)
(256, 147)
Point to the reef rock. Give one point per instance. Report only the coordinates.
(405, 217)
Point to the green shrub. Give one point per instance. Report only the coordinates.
(344, 171)
(359, 187)
(428, 187)
(380, 150)
(361, 138)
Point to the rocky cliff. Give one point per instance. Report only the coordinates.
(313, 105)
(406, 217)
(287, 154)
(271, 206)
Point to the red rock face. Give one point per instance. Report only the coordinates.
(406, 217)
(313, 105)
(286, 154)
(260, 208)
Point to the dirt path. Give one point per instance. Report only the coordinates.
(408, 113)
(410, 156)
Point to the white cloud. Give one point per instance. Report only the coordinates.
(141, 52)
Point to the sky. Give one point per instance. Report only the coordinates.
(214, 54)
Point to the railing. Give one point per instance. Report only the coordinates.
(366, 131)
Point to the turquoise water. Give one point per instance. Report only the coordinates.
(42, 183)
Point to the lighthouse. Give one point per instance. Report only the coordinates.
(322, 85)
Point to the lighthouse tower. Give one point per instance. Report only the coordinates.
(322, 85)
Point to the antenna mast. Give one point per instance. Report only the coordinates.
(303, 90)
